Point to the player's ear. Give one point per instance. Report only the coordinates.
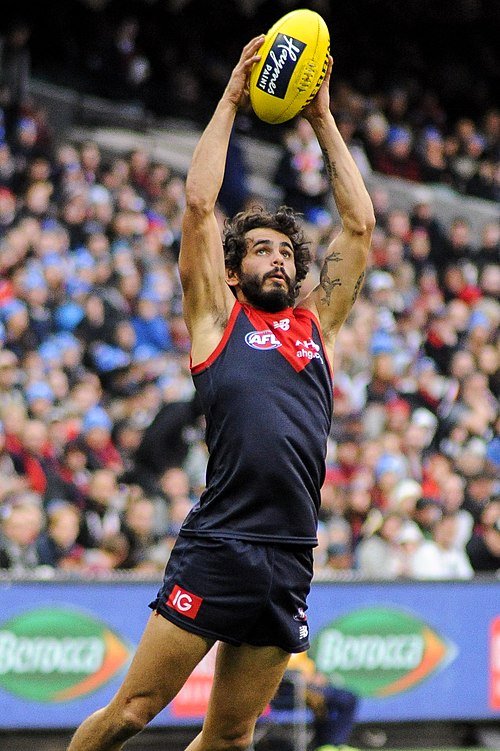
(232, 278)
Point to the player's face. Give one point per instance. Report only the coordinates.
(267, 275)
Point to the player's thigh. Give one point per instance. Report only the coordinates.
(164, 659)
(245, 680)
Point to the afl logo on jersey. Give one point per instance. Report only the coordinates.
(262, 340)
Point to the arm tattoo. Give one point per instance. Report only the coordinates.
(331, 169)
(357, 287)
(326, 282)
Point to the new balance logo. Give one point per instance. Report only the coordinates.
(283, 324)
(303, 632)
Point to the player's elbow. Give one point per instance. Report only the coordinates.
(363, 224)
(198, 201)
(370, 221)
(361, 229)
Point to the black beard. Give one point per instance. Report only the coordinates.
(272, 301)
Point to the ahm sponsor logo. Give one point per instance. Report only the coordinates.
(307, 344)
(262, 340)
(308, 349)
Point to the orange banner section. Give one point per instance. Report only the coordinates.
(192, 699)
(495, 664)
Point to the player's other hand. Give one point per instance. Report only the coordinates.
(237, 88)
(320, 105)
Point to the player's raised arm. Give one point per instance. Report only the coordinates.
(344, 265)
(201, 260)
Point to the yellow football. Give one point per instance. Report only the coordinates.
(294, 60)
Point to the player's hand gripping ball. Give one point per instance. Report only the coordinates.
(294, 60)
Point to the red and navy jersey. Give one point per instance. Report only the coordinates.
(267, 396)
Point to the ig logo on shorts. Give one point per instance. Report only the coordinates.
(184, 602)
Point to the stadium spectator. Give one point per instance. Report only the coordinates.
(165, 441)
(334, 709)
(21, 522)
(378, 554)
(426, 513)
(404, 497)
(74, 472)
(101, 515)
(336, 540)
(56, 545)
(107, 556)
(12, 481)
(398, 158)
(97, 443)
(483, 548)
(302, 175)
(434, 167)
(457, 246)
(145, 553)
(35, 459)
(452, 496)
(438, 557)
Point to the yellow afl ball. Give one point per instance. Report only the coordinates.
(294, 60)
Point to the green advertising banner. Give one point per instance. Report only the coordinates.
(57, 654)
(379, 651)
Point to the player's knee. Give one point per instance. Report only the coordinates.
(237, 740)
(135, 715)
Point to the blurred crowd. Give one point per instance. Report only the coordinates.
(102, 448)
(420, 98)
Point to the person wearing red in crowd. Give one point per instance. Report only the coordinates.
(398, 158)
(34, 458)
(97, 443)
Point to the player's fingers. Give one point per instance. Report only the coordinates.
(328, 70)
(256, 42)
(249, 55)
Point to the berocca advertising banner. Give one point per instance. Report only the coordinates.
(377, 651)
(55, 654)
(411, 651)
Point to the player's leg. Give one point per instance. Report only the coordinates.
(246, 678)
(164, 659)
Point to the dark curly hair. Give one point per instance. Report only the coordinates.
(283, 220)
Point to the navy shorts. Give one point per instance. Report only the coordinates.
(238, 592)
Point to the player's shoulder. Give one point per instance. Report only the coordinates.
(307, 310)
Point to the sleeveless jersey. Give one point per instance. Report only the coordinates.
(267, 396)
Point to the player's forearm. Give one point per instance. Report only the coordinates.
(206, 172)
(349, 191)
